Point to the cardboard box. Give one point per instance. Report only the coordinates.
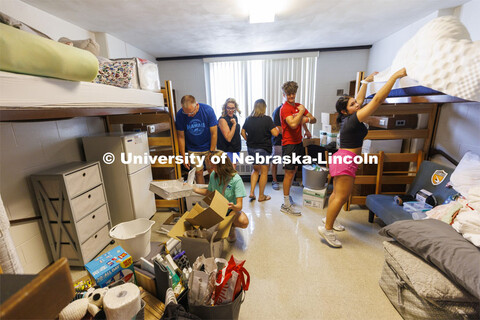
(403, 121)
(314, 198)
(204, 217)
(387, 146)
(151, 129)
(215, 213)
(112, 266)
(330, 119)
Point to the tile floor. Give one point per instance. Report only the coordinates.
(295, 275)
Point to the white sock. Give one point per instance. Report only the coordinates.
(286, 201)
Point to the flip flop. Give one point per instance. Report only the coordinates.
(265, 199)
(252, 198)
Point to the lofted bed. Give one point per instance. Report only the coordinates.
(26, 97)
(35, 98)
(403, 101)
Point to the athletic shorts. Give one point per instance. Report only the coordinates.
(198, 166)
(343, 169)
(289, 150)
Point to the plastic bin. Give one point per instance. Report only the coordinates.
(416, 209)
(224, 311)
(314, 179)
(134, 236)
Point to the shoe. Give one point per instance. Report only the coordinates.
(330, 237)
(336, 225)
(267, 197)
(275, 185)
(290, 210)
(232, 236)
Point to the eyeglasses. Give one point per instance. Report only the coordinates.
(191, 113)
(231, 109)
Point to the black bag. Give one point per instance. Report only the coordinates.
(175, 311)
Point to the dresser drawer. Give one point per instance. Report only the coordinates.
(87, 202)
(95, 244)
(82, 180)
(88, 225)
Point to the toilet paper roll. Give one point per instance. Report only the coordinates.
(122, 302)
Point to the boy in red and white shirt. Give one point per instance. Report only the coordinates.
(292, 116)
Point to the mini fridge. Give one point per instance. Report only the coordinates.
(127, 184)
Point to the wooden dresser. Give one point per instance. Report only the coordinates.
(74, 210)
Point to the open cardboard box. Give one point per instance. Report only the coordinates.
(200, 217)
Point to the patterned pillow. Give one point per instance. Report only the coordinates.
(119, 73)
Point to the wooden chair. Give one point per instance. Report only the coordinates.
(392, 177)
(395, 177)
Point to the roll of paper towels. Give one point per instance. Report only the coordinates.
(122, 302)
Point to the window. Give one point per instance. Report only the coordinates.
(250, 78)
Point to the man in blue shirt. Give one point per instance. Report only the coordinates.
(197, 133)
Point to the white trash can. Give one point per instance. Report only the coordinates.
(134, 236)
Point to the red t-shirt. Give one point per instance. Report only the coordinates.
(289, 135)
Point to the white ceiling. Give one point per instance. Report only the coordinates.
(172, 28)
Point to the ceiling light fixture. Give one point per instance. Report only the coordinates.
(262, 11)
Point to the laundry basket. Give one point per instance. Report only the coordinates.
(134, 236)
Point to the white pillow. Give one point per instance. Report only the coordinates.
(441, 56)
(467, 174)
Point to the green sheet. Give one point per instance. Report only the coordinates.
(23, 52)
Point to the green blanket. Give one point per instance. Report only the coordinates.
(23, 52)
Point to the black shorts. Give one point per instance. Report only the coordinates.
(289, 150)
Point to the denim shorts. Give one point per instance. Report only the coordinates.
(230, 155)
(262, 153)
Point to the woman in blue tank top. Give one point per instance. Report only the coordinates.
(351, 116)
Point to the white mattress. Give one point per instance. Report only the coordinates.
(18, 90)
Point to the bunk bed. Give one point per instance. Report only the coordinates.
(26, 97)
(403, 101)
(33, 98)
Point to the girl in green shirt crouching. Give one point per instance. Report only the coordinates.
(225, 179)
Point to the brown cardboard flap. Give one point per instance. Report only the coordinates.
(217, 202)
(205, 217)
(180, 227)
(224, 227)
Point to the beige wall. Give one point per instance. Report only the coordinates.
(27, 148)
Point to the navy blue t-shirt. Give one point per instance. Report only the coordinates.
(197, 128)
(277, 141)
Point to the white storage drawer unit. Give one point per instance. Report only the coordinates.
(74, 210)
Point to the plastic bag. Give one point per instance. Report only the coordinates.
(230, 281)
(202, 280)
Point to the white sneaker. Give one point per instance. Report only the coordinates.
(330, 237)
(336, 225)
(290, 210)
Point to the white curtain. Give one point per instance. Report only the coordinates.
(250, 79)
